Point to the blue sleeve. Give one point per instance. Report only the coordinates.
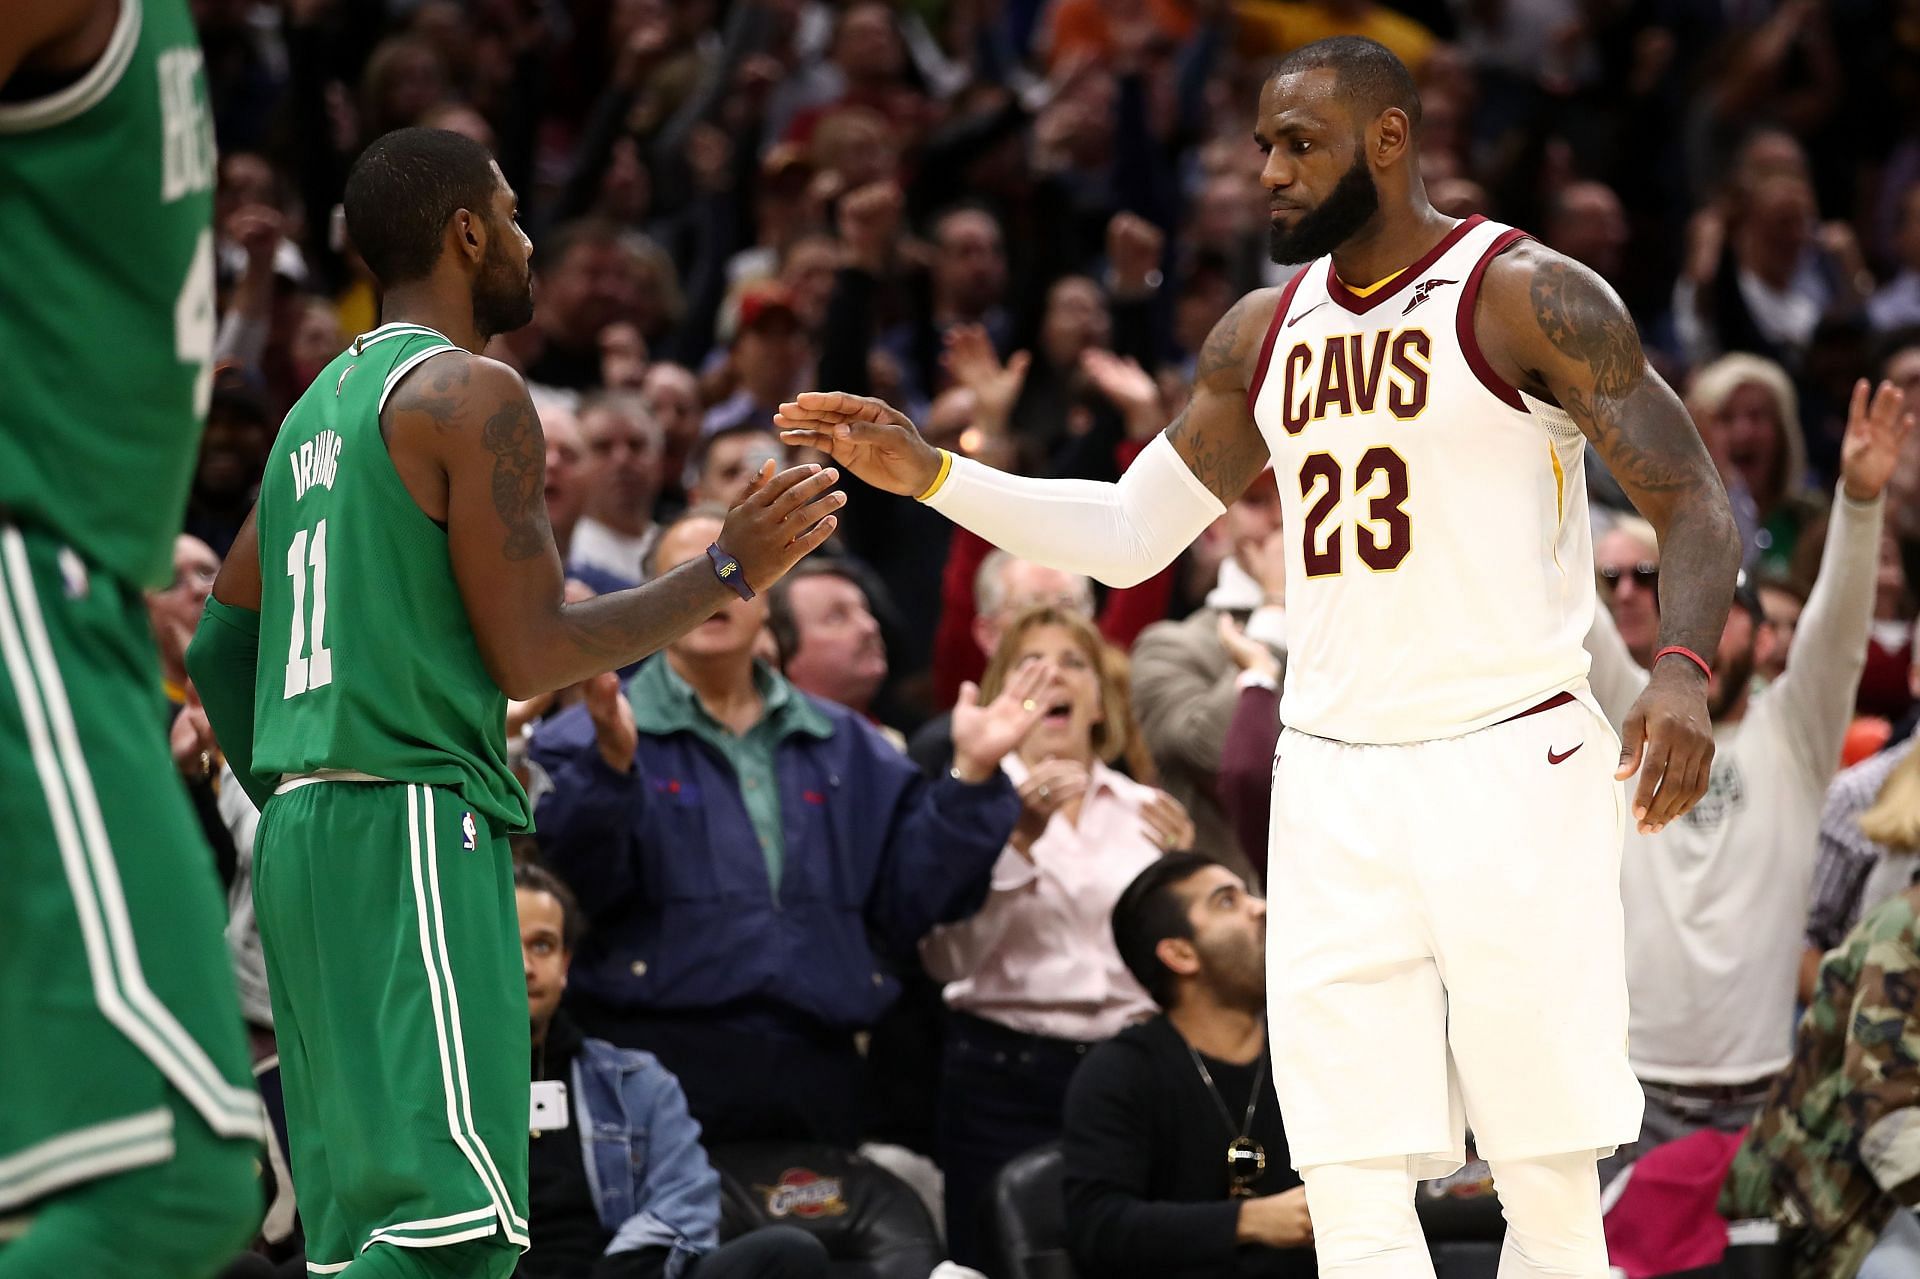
(677, 1192)
(941, 844)
(586, 824)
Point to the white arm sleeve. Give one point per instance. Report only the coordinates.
(1120, 533)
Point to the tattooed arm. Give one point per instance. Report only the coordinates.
(1215, 434)
(1553, 328)
(467, 443)
(1120, 533)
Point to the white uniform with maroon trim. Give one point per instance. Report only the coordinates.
(1444, 939)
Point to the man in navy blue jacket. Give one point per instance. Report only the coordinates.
(755, 861)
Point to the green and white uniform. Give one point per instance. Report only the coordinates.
(382, 877)
(120, 1038)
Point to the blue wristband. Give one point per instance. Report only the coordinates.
(728, 570)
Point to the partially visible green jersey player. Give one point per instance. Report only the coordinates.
(128, 1122)
(396, 581)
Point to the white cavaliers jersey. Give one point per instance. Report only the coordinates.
(1439, 560)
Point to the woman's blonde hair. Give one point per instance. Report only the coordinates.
(1713, 385)
(1114, 732)
(1894, 819)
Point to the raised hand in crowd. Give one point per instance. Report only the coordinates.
(869, 224)
(648, 41)
(1135, 248)
(1277, 1221)
(1878, 423)
(1129, 388)
(983, 735)
(972, 362)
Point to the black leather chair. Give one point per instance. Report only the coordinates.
(1027, 1218)
(873, 1224)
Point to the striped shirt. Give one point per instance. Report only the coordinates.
(1848, 859)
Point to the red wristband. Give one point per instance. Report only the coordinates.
(1689, 654)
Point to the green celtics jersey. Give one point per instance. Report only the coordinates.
(106, 295)
(367, 661)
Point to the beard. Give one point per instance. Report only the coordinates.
(1730, 683)
(1330, 223)
(502, 293)
(1235, 966)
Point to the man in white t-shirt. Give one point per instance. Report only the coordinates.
(1716, 902)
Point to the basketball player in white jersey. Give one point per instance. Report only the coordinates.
(1445, 938)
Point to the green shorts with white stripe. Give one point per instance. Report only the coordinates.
(115, 987)
(388, 922)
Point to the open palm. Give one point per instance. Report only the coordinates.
(984, 733)
(1876, 428)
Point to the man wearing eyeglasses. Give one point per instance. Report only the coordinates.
(1176, 1160)
(1627, 559)
(1716, 901)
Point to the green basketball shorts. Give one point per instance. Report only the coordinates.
(388, 921)
(115, 991)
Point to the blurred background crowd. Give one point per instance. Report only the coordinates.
(797, 859)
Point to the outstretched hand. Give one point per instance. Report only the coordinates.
(782, 519)
(869, 437)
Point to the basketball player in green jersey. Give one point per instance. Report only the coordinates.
(128, 1122)
(402, 581)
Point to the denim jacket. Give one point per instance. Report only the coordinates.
(650, 1177)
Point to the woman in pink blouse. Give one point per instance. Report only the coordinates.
(1033, 979)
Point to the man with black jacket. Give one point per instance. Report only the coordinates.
(1176, 1157)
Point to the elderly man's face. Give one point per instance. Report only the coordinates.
(838, 653)
(1629, 586)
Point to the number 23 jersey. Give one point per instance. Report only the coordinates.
(368, 663)
(1439, 557)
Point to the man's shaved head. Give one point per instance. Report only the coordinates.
(1371, 79)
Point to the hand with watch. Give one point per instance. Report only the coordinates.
(782, 519)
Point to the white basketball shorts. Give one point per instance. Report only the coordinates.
(1445, 945)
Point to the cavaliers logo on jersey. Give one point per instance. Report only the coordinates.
(1422, 291)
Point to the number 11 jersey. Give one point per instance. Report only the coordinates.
(1439, 557)
(368, 663)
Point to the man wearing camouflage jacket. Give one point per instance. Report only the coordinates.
(1835, 1156)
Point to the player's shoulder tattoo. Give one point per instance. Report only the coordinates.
(513, 436)
(437, 391)
(1234, 344)
(1215, 434)
(1585, 320)
(1592, 363)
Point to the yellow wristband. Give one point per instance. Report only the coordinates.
(946, 468)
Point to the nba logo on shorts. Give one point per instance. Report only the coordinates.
(469, 836)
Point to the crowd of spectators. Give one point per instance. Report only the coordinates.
(884, 858)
